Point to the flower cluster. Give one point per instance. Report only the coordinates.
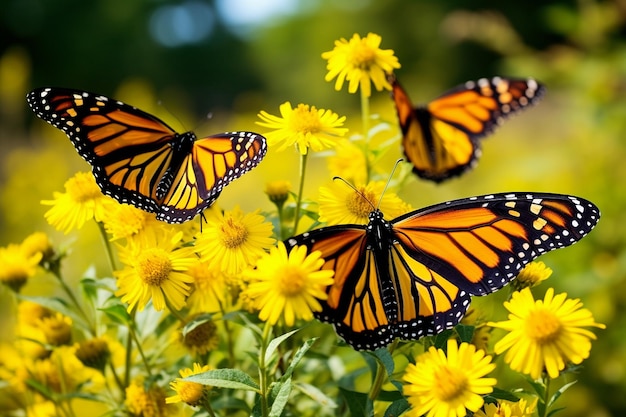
(216, 314)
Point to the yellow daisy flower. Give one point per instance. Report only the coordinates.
(532, 275)
(340, 204)
(305, 126)
(17, 266)
(81, 202)
(507, 409)
(288, 286)
(448, 384)
(124, 221)
(361, 62)
(57, 329)
(94, 353)
(156, 269)
(146, 401)
(191, 393)
(349, 163)
(545, 334)
(210, 293)
(278, 191)
(203, 338)
(233, 240)
(38, 242)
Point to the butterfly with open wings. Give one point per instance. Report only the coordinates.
(441, 138)
(413, 276)
(138, 159)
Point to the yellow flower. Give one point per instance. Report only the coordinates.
(191, 393)
(62, 372)
(81, 202)
(210, 293)
(360, 61)
(57, 329)
(124, 221)
(305, 126)
(349, 163)
(507, 409)
(232, 241)
(38, 242)
(340, 204)
(156, 269)
(143, 401)
(16, 266)
(278, 191)
(288, 286)
(532, 275)
(203, 338)
(94, 353)
(441, 384)
(545, 334)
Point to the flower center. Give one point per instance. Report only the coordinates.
(450, 383)
(543, 326)
(82, 187)
(359, 206)
(233, 234)
(292, 280)
(305, 120)
(154, 266)
(363, 56)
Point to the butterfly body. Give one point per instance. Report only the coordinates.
(441, 138)
(138, 159)
(414, 276)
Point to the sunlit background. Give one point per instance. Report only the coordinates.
(211, 66)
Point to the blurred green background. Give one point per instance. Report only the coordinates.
(229, 59)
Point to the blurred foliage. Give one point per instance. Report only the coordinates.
(573, 142)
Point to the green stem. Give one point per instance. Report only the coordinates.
(381, 373)
(365, 120)
(263, 377)
(56, 271)
(546, 395)
(303, 160)
(107, 246)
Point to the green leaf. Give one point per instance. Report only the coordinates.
(358, 403)
(385, 359)
(441, 340)
(274, 343)
(500, 394)
(558, 393)
(465, 332)
(538, 387)
(298, 357)
(230, 403)
(89, 288)
(225, 378)
(397, 407)
(116, 313)
(389, 396)
(281, 398)
(316, 395)
(556, 410)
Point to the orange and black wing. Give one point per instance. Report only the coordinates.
(138, 159)
(441, 139)
(414, 276)
(212, 164)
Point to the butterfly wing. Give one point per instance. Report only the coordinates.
(213, 163)
(414, 276)
(441, 138)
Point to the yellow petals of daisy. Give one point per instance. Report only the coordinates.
(532, 275)
(508, 409)
(156, 269)
(360, 61)
(545, 334)
(81, 202)
(233, 240)
(340, 204)
(448, 384)
(288, 286)
(16, 266)
(191, 393)
(304, 126)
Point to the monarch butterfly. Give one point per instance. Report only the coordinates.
(138, 159)
(440, 139)
(413, 276)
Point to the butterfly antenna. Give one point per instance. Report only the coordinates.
(393, 171)
(355, 190)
